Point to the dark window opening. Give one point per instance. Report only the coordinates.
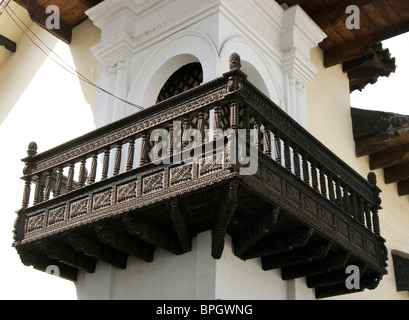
(187, 77)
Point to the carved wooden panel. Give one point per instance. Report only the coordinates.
(273, 180)
(152, 183)
(101, 200)
(210, 164)
(56, 216)
(35, 223)
(126, 192)
(79, 208)
(181, 174)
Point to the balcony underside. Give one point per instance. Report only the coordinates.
(271, 215)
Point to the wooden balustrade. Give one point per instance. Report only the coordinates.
(273, 133)
(161, 137)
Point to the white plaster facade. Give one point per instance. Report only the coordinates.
(142, 44)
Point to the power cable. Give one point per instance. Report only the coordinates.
(74, 72)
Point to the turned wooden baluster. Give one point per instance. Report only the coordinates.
(246, 122)
(105, 164)
(375, 222)
(38, 190)
(314, 176)
(185, 128)
(201, 126)
(323, 183)
(287, 156)
(82, 176)
(338, 193)
(305, 169)
(277, 148)
(171, 139)
(331, 188)
(58, 182)
(354, 206)
(234, 115)
(347, 203)
(376, 206)
(368, 218)
(297, 165)
(118, 158)
(47, 189)
(93, 172)
(31, 152)
(267, 142)
(70, 178)
(131, 154)
(361, 210)
(256, 136)
(145, 149)
(217, 123)
(155, 156)
(26, 193)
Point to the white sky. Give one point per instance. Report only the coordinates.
(57, 126)
(389, 94)
(22, 126)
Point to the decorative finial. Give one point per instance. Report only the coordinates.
(372, 178)
(235, 61)
(32, 149)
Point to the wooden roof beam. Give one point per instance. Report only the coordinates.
(222, 218)
(397, 173)
(38, 15)
(10, 45)
(263, 225)
(389, 157)
(356, 48)
(403, 188)
(122, 241)
(333, 14)
(95, 249)
(89, 3)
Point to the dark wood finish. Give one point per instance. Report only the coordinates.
(8, 44)
(401, 267)
(292, 212)
(72, 13)
(38, 14)
(369, 67)
(379, 20)
(384, 137)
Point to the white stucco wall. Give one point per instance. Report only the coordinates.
(42, 102)
(329, 120)
(142, 44)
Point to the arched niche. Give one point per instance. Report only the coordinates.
(262, 70)
(161, 62)
(185, 78)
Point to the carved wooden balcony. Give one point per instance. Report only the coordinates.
(105, 196)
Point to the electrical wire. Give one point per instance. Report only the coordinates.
(72, 71)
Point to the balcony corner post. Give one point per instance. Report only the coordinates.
(235, 65)
(29, 166)
(377, 203)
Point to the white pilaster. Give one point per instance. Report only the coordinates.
(299, 35)
(142, 43)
